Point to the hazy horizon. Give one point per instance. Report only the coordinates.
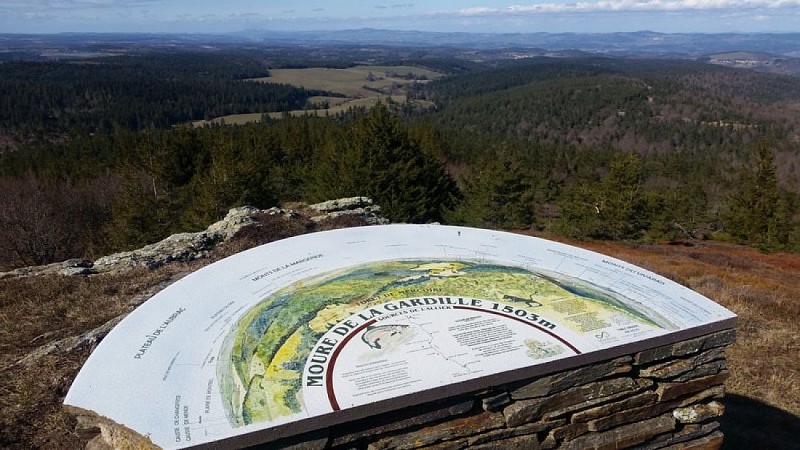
(485, 16)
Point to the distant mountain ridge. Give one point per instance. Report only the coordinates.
(621, 43)
(647, 42)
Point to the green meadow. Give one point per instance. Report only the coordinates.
(359, 86)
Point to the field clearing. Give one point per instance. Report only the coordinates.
(362, 86)
(341, 106)
(332, 101)
(354, 82)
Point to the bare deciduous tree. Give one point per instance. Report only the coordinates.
(44, 222)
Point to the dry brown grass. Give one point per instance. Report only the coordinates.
(763, 403)
(761, 289)
(764, 393)
(38, 311)
(42, 310)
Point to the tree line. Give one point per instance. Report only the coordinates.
(122, 189)
(136, 92)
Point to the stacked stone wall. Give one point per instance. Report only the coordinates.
(662, 398)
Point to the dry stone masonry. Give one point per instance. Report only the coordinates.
(669, 397)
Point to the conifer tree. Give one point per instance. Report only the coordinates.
(498, 194)
(147, 207)
(141, 214)
(615, 207)
(758, 215)
(623, 208)
(238, 174)
(375, 158)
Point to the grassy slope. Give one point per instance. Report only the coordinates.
(341, 106)
(764, 394)
(349, 82)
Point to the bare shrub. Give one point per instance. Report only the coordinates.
(273, 227)
(345, 221)
(268, 228)
(43, 222)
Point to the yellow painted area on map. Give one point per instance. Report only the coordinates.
(441, 269)
(330, 315)
(582, 315)
(257, 368)
(266, 398)
(285, 354)
(532, 293)
(579, 314)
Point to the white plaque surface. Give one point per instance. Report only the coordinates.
(336, 325)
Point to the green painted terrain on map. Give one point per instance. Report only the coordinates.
(261, 363)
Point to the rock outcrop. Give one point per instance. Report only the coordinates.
(191, 246)
(354, 206)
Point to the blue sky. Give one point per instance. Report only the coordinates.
(214, 16)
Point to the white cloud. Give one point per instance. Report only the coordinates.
(478, 11)
(633, 6)
(38, 16)
(66, 7)
(60, 4)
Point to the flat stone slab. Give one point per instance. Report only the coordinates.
(325, 328)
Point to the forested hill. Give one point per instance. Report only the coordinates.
(692, 130)
(136, 92)
(95, 158)
(646, 106)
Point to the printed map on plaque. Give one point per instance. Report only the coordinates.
(313, 325)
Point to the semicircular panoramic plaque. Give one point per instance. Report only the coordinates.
(329, 327)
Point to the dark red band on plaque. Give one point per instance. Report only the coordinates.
(329, 374)
(334, 355)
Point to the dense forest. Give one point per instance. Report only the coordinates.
(99, 155)
(136, 92)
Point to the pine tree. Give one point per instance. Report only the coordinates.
(238, 174)
(148, 205)
(141, 214)
(758, 215)
(375, 158)
(622, 207)
(498, 194)
(616, 207)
